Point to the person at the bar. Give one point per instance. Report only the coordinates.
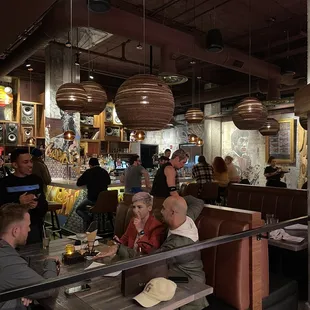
(202, 172)
(166, 180)
(14, 270)
(96, 180)
(167, 153)
(163, 160)
(40, 169)
(274, 174)
(144, 233)
(4, 171)
(25, 188)
(233, 175)
(220, 175)
(133, 176)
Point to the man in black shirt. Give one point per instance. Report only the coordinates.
(97, 180)
(273, 174)
(165, 183)
(25, 188)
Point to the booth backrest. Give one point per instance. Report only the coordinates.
(226, 266)
(284, 203)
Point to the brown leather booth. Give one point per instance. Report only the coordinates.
(284, 203)
(228, 266)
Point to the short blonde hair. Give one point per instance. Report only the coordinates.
(180, 153)
(144, 197)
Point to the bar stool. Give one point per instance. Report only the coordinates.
(55, 226)
(107, 202)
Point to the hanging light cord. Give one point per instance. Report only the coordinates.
(250, 46)
(193, 87)
(144, 34)
(90, 41)
(71, 36)
(30, 86)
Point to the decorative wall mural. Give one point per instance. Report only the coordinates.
(302, 151)
(6, 100)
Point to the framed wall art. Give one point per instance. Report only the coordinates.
(282, 146)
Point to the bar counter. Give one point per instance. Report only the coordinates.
(67, 193)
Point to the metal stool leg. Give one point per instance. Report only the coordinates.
(110, 217)
(58, 225)
(53, 223)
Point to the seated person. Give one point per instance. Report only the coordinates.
(233, 175)
(14, 270)
(97, 180)
(144, 233)
(179, 214)
(274, 174)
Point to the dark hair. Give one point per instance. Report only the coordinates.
(219, 165)
(167, 150)
(202, 160)
(270, 159)
(163, 158)
(133, 158)
(93, 161)
(36, 152)
(10, 213)
(16, 153)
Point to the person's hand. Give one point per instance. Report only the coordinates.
(57, 261)
(26, 302)
(110, 251)
(116, 239)
(33, 204)
(26, 198)
(138, 223)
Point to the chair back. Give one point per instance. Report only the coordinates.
(209, 191)
(107, 202)
(192, 189)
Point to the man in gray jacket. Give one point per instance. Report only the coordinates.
(179, 214)
(14, 270)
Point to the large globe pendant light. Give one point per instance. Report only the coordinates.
(270, 128)
(194, 116)
(144, 102)
(249, 114)
(96, 98)
(71, 97)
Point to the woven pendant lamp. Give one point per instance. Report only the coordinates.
(96, 98)
(144, 102)
(303, 121)
(270, 128)
(71, 97)
(249, 114)
(194, 116)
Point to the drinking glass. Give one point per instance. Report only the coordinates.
(82, 238)
(269, 218)
(46, 243)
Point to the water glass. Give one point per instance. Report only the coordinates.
(269, 219)
(46, 243)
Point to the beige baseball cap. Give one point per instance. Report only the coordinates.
(157, 290)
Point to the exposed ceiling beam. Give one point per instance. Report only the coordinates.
(296, 51)
(182, 43)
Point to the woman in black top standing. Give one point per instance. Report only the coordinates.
(273, 174)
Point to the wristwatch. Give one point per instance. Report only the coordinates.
(141, 233)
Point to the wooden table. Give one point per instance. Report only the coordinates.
(292, 246)
(105, 292)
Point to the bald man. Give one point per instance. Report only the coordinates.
(179, 214)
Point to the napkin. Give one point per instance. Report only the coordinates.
(94, 265)
(79, 247)
(113, 274)
(280, 234)
(73, 237)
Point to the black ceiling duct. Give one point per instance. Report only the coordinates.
(99, 6)
(288, 67)
(214, 41)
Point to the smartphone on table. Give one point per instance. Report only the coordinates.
(77, 289)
